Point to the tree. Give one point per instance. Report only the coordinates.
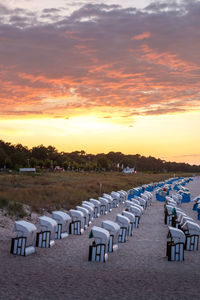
(40, 152)
(3, 157)
(103, 163)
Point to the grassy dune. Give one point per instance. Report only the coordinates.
(66, 190)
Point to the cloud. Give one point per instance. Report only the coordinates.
(141, 36)
(100, 57)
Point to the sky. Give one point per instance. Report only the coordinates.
(102, 76)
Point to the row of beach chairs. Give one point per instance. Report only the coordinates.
(29, 236)
(196, 206)
(183, 233)
(61, 224)
(107, 237)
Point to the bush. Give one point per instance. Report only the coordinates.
(3, 202)
(16, 209)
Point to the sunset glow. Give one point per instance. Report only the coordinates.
(102, 76)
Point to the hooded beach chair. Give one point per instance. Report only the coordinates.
(124, 223)
(176, 244)
(86, 214)
(24, 242)
(116, 199)
(192, 232)
(104, 207)
(90, 207)
(97, 207)
(114, 229)
(110, 201)
(63, 222)
(98, 251)
(78, 222)
(47, 231)
(132, 219)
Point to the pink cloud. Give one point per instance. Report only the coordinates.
(141, 36)
(116, 58)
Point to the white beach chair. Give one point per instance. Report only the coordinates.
(24, 242)
(142, 201)
(132, 219)
(114, 229)
(90, 207)
(116, 199)
(85, 212)
(124, 223)
(175, 247)
(104, 208)
(98, 251)
(192, 232)
(110, 201)
(97, 208)
(46, 236)
(78, 222)
(63, 222)
(123, 196)
(137, 212)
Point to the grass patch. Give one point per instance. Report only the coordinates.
(3, 202)
(16, 209)
(12, 208)
(51, 191)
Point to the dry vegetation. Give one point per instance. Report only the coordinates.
(53, 191)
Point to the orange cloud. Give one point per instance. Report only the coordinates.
(74, 66)
(167, 59)
(142, 36)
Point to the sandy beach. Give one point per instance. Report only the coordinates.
(138, 270)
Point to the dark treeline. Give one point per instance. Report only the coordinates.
(16, 156)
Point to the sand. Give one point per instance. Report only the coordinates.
(138, 270)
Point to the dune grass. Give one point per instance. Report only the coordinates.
(12, 207)
(51, 191)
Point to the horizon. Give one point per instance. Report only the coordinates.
(102, 76)
(97, 153)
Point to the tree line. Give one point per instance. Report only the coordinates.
(41, 157)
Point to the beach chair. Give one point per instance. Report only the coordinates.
(46, 235)
(63, 222)
(150, 197)
(178, 218)
(146, 198)
(184, 219)
(116, 199)
(97, 207)
(98, 251)
(113, 228)
(78, 222)
(177, 197)
(85, 212)
(24, 241)
(123, 196)
(134, 202)
(137, 212)
(176, 244)
(192, 232)
(142, 201)
(104, 207)
(170, 200)
(91, 207)
(124, 223)
(160, 194)
(169, 215)
(110, 201)
(196, 201)
(185, 195)
(132, 219)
